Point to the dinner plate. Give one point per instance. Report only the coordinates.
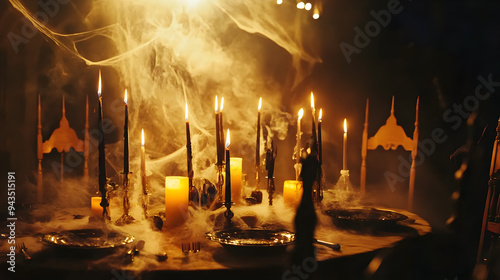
(87, 239)
(252, 238)
(364, 218)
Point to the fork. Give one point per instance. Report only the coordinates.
(21, 247)
(194, 247)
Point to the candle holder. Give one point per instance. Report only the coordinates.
(228, 214)
(270, 189)
(145, 202)
(220, 182)
(126, 218)
(318, 187)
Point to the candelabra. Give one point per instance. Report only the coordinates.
(126, 218)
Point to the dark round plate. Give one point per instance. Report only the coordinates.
(252, 238)
(360, 218)
(87, 239)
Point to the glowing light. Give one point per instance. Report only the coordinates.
(221, 104)
(260, 103)
(312, 100)
(300, 5)
(228, 139)
(301, 113)
(125, 99)
(99, 88)
(345, 125)
(315, 16)
(279, 2)
(216, 104)
(320, 117)
(142, 138)
(308, 6)
(186, 112)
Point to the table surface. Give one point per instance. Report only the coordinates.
(212, 255)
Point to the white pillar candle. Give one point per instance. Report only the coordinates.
(292, 192)
(176, 200)
(236, 178)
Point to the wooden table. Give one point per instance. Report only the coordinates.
(357, 249)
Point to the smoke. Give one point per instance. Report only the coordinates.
(169, 52)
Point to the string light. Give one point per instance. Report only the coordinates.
(300, 5)
(308, 6)
(315, 16)
(279, 2)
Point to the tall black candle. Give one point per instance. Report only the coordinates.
(320, 142)
(221, 129)
(314, 145)
(102, 157)
(217, 133)
(257, 146)
(125, 138)
(189, 150)
(228, 171)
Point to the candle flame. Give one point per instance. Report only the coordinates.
(99, 88)
(142, 138)
(345, 125)
(301, 113)
(216, 105)
(221, 104)
(186, 115)
(312, 100)
(125, 99)
(228, 139)
(320, 117)
(260, 103)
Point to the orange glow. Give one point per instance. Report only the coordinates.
(320, 117)
(99, 88)
(125, 99)
(345, 125)
(186, 115)
(260, 103)
(301, 113)
(312, 100)
(142, 138)
(221, 104)
(228, 140)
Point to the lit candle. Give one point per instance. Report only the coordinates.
(96, 207)
(236, 178)
(125, 138)
(292, 192)
(189, 150)
(143, 164)
(217, 132)
(344, 161)
(102, 157)
(176, 200)
(301, 113)
(221, 129)
(320, 144)
(257, 146)
(314, 148)
(228, 171)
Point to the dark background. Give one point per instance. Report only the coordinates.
(435, 50)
